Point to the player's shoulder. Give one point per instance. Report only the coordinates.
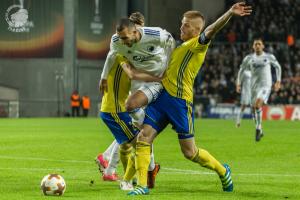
(152, 31)
(269, 55)
(115, 38)
(249, 56)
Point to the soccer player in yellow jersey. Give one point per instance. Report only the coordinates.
(113, 111)
(175, 103)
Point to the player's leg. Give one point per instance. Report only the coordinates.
(245, 100)
(153, 169)
(127, 182)
(239, 116)
(118, 123)
(181, 115)
(110, 172)
(205, 159)
(103, 158)
(258, 118)
(134, 105)
(142, 97)
(130, 171)
(142, 159)
(125, 153)
(261, 99)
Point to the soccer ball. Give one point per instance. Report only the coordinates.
(53, 184)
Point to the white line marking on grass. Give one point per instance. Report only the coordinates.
(49, 170)
(166, 170)
(183, 171)
(44, 159)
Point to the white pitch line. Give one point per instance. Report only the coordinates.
(183, 171)
(44, 159)
(166, 170)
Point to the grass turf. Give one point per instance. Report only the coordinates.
(32, 148)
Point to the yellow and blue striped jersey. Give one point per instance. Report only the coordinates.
(113, 100)
(185, 62)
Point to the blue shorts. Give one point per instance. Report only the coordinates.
(168, 109)
(120, 126)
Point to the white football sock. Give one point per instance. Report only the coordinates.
(152, 161)
(113, 161)
(107, 152)
(258, 118)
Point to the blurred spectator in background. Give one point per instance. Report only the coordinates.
(75, 104)
(86, 104)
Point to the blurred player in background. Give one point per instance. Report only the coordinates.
(260, 63)
(174, 105)
(245, 89)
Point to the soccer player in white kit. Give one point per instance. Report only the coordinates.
(147, 49)
(259, 63)
(245, 91)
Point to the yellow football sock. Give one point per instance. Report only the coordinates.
(125, 155)
(130, 169)
(208, 161)
(142, 162)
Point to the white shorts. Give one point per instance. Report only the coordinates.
(150, 89)
(260, 93)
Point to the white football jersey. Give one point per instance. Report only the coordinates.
(150, 54)
(260, 67)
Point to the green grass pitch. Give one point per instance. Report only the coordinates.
(32, 148)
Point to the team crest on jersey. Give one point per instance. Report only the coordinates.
(150, 48)
(142, 58)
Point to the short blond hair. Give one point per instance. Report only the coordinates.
(194, 14)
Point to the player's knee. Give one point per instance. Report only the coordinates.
(125, 147)
(130, 105)
(147, 134)
(188, 154)
(143, 136)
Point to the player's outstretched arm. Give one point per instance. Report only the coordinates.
(239, 9)
(135, 74)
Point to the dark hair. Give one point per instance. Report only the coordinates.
(258, 38)
(137, 18)
(124, 23)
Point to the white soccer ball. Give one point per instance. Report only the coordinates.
(53, 184)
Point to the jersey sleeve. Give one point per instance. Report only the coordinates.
(277, 66)
(111, 56)
(200, 44)
(167, 42)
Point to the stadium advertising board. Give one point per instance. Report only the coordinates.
(95, 26)
(31, 29)
(226, 111)
(287, 112)
(229, 111)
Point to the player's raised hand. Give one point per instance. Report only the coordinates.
(241, 9)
